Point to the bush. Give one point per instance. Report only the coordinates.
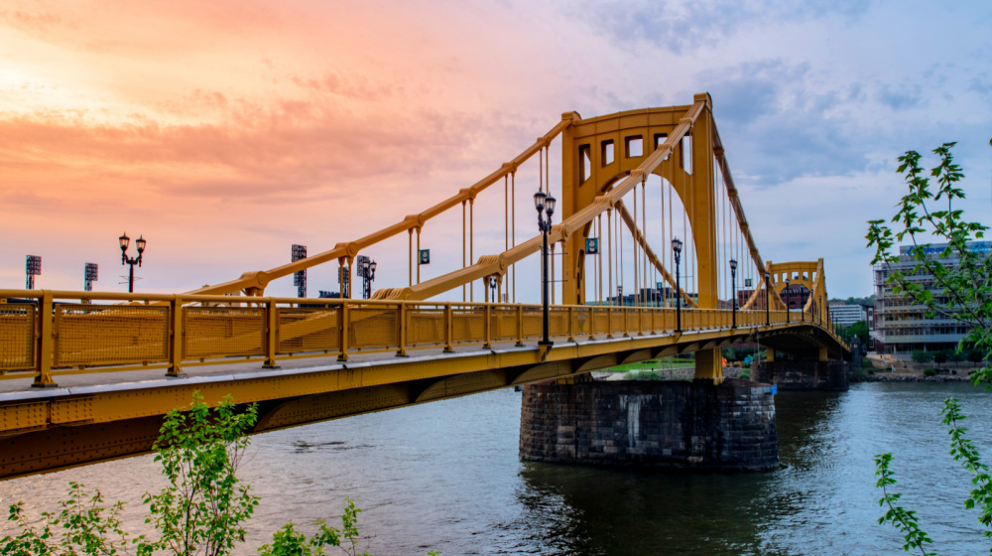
(956, 356)
(866, 363)
(920, 356)
(203, 509)
(940, 357)
(975, 356)
(929, 371)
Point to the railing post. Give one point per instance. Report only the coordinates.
(175, 338)
(487, 312)
(609, 322)
(520, 326)
(571, 324)
(344, 330)
(45, 343)
(448, 328)
(401, 351)
(626, 323)
(271, 334)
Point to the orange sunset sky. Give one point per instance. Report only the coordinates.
(226, 131)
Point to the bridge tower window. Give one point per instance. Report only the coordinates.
(606, 152)
(659, 139)
(633, 146)
(585, 163)
(685, 162)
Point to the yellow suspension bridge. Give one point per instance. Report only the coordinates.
(87, 376)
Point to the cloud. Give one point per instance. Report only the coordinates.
(683, 26)
(258, 124)
(769, 116)
(902, 98)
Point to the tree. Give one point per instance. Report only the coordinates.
(202, 511)
(858, 329)
(961, 291)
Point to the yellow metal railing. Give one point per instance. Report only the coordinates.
(53, 333)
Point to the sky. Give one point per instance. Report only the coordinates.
(223, 132)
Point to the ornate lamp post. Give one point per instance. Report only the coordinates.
(368, 276)
(733, 284)
(787, 308)
(768, 315)
(677, 251)
(545, 204)
(492, 289)
(125, 260)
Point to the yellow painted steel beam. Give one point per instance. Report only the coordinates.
(256, 281)
(652, 257)
(569, 226)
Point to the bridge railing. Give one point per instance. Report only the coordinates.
(50, 333)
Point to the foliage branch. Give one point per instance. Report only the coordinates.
(202, 511)
(961, 290)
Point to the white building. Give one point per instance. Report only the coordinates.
(847, 315)
(902, 326)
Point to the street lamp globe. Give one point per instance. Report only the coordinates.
(125, 241)
(549, 205)
(141, 244)
(539, 198)
(733, 264)
(677, 246)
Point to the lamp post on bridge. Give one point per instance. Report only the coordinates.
(677, 251)
(545, 204)
(367, 272)
(492, 289)
(768, 315)
(733, 284)
(787, 308)
(125, 260)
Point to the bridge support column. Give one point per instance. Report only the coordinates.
(709, 365)
(679, 425)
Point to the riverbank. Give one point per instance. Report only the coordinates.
(908, 377)
(679, 373)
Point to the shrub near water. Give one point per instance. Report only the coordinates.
(202, 511)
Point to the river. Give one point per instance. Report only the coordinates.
(445, 476)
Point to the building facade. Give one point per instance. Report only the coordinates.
(900, 325)
(846, 315)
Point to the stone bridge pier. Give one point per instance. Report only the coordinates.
(799, 373)
(697, 425)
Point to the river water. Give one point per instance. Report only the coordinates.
(445, 476)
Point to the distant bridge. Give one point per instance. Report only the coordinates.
(81, 372)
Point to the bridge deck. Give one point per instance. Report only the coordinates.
(97, 411)
(19, 386)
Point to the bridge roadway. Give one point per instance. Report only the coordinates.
(99, 413)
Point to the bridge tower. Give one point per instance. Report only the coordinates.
(589, 171)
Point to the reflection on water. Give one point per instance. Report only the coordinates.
(446, 476)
